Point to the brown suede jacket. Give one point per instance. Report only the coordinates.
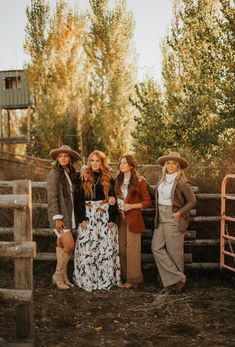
(183, 200)
(135, 220)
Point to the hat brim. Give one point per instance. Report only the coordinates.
(183, 162)
(73, 154)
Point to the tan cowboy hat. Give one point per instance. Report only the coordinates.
(175, 156)
(64, 149)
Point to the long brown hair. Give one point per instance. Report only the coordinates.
(104, 175)
(133, 185)
(72, 174)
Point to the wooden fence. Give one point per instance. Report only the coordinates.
(23, 250)
(192, 241)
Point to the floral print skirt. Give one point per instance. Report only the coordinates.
(96, 255)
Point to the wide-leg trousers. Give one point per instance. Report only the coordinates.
(168, 248)
(130, 253)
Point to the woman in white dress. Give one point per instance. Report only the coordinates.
(96, 258)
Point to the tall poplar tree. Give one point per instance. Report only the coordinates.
(54, 44)
(109, 49)
(194, 70)
(151, 122)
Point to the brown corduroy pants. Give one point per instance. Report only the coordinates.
(130, 253)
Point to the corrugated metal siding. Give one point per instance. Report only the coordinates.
(14, 98)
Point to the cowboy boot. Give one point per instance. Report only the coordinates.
(66, 280)
(65, 275)
(58, 277)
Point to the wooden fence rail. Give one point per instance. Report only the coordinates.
(23, 250)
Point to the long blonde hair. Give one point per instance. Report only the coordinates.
(104, 175)
(180, 173)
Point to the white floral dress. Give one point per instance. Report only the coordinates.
(96, 257)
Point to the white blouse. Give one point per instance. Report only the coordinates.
(165, 188)
(124, 191)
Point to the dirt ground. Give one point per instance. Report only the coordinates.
(202, 316)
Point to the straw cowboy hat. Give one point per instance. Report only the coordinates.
(175, 156)
(64, 149)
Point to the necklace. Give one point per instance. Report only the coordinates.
(125, 184)
(94, 188)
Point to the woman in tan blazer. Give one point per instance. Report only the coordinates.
(132, 195)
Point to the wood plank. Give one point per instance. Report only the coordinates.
(205, 219)
(206, 196)
(15, 295)
(148, 258)
(189, 266)
(36, 232)
(43, 256)
(14, 200)
(201, 266)
(199, 242)
(41, 205)
(23, 267)
(202, 242)
(8, 184)
(25, 249)
(39, 185)
(148, 234)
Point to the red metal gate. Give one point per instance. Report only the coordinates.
(225, 238)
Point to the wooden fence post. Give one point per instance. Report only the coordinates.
(23, 268)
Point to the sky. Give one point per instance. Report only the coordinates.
(152, 20)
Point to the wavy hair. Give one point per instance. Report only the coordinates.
(133, 188)
(104, 175)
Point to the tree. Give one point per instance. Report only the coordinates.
(151, 122)
(110, 52)
(193, 71)
(54, 44)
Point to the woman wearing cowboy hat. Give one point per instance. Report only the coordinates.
(174, 199)
(61, 186)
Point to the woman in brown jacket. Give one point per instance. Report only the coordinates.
(174, 199)
(61, 187)
(132, 195)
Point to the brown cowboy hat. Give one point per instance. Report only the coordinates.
(175, 156)
(64, 149)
